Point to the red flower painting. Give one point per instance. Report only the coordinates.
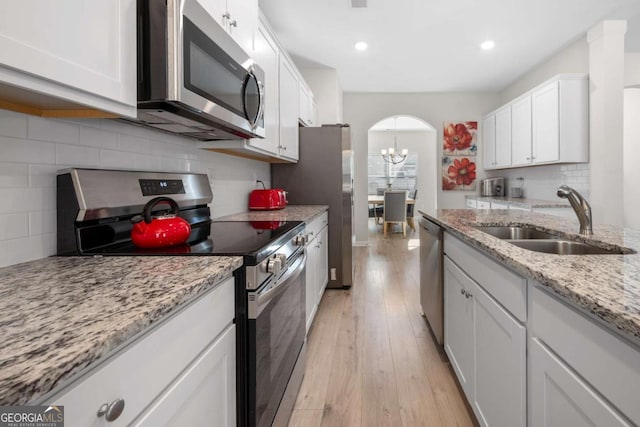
(460, 138)
(458, 173)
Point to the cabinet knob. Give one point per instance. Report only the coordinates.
(226, 15)
(111, 411)
(528, 158)
(233, 23)
(462, 291)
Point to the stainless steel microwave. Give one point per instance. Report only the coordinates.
(193, 78)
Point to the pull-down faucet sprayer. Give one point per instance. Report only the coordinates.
(580, 206)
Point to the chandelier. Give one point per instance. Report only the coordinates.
(392, 155)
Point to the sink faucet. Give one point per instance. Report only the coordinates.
(580, 206)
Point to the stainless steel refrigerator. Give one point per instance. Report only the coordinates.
(324, 176)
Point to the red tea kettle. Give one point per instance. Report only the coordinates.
(161, 230)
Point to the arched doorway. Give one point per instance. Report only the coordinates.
(419, 170)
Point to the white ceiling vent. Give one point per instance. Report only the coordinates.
(358, 3)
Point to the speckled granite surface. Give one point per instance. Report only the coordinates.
(607, 286)
(524, 202)
(290, 213)
(58, 315)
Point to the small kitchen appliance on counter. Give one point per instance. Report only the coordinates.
(267, 199)
(95, 212)
(492, 187)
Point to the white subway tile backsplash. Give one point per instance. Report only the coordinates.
(43, 176)
(98, 138)
(52, 130)
(15, 251)
(14, 175)
(26, 151)
(34, 149)
(111, 159)
(14, 225)
(76, 155)
(42, 222)
(13, 124)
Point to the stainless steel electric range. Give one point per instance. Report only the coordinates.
(95, 209)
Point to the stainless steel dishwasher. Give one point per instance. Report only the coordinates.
(431, 277)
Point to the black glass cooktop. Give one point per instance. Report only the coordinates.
(250, 239)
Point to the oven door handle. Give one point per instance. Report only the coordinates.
(258, 300)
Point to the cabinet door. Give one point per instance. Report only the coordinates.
(267, 55)
(503, 138)
(311, 285)
(561, 398)
(204, 395)
(489, 141)
(500, 361)
(471, 203)
(217, 9)
(323, 262)
(304, 101)
(243, 22)
(521, 132)
(458, 324)
(85, 45)
(546, 130)
(313, 114)
(483, 204)
(495, 205)
(288, 110)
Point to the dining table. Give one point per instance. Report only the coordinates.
(376, 200)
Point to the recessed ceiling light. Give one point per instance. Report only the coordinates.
(361, 46)
(488, 45)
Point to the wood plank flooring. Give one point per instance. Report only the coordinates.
(371, 360)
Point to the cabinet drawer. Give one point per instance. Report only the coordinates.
(315, 225)
(472, 204)
(484, 205)
(605, 361)
(508, 288)
(495, 205)
(143, 369)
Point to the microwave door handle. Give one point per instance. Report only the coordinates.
(262, 299)
(260, 105)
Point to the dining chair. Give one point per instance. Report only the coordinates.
(410, 207)
(395, 211)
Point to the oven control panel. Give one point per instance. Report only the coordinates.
(161, 187)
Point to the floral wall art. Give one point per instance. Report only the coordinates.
(459, 150)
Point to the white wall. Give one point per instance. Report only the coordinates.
(541, 182)
(424, 144)
(632, 69)
(33, 149)
(363, 110)
(326, 89)
(631, 154)
(574, 58)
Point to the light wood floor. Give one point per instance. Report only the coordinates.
(371, 360)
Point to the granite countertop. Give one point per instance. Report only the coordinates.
(290, 213)
(524, 202)
(606, 286)
(59, 315)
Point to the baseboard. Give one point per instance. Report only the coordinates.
(361, 243)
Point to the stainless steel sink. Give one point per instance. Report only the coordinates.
(565, 247)
(516, 233)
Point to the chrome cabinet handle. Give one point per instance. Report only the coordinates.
(462, 291)
(111, 411)
(466, 293)
(233, 23)
(226, 15)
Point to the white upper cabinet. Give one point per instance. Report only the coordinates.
(521, 132)
(75, 51)
(546, 135)
(267, 55)
(489, 140)
(238, 17)
(549, 124)
(288, 110)
(307, 113)
(503, 137)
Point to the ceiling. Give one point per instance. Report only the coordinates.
(433, 45)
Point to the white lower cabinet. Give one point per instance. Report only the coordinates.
(317, 264)
(204, 395)
(181, 372)
(487, 349)
(560, 398)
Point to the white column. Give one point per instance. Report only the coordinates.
(606, 73)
